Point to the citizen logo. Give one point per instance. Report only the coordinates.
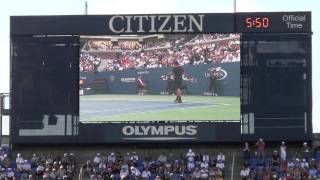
(156, 23)
(189, 130)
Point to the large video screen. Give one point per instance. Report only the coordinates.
(160, 77)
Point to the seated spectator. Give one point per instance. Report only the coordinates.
(204, 165)
(134, 156)
(245, 172)
(191, 166)
(146, 174)
(220, 164)
(124, 173)
(112, 157)
(221, 157)
(304, 163)
(19, 158)
(134, 172)
(190, 155)
(313, 172)
(196, 174)
(162, 158)
(97, 159)
(275, 160)
(205, 157)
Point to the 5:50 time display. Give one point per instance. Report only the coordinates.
(257, 22)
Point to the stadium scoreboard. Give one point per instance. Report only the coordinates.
(268, 22)
(274, 76)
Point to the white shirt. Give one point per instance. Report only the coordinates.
(19, 160)
(204, 165)
(124, 173)
(304, 165)
(146, 174)
(221, 157)
(244, 172)
(97, 159)
(112, 158)
(205, 158)
(136, 172)
(220, 165)
(134, 157)
(190, 156)
(283, 152)
(191, 165)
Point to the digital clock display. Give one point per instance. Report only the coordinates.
(257, 22)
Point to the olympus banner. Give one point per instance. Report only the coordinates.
(173, 132)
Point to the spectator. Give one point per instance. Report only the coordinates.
(221, 157)
(306, 150)
(190, 155)
(112, 157)
(283, 151)
(260, 147)
(246, 152)
(205, 157)
(245, 172)
(146, 174)
(162, 158)
(134, 156)
(97, 159)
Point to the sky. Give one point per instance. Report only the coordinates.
(76, 7)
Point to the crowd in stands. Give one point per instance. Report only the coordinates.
(280, 165)
(98, 45)
(159, 53)
(190, 165)
(210, 37)
(89, 63)
(258, 164)
(38, 167)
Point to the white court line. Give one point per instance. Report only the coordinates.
(133, 113)
(129, 108)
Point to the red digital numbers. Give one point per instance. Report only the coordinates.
(249, 22)
(265, 22)
(257, 22)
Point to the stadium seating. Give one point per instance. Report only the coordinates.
(157, 53)
(301, 164)
(40, 166)
(132, 166)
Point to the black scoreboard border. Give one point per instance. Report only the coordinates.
(153, 23)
